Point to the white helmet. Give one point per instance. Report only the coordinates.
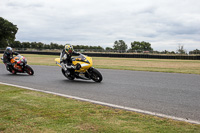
(9, 50)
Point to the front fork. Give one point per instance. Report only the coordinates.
(89, 72)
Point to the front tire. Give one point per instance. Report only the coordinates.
(13, 71)
(96, 75)
(29, 70)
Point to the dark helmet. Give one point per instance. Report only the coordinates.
(8, 50)
(69, 49)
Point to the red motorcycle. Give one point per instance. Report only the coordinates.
(19, 65)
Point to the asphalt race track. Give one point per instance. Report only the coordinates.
(166, 93)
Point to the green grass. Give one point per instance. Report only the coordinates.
(29, 111)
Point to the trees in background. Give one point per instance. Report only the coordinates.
(86, 47)
(40, 46)
(141, 46)
(196, 51)
(7, 32)
(181, 49)
(120, 46)
(109, 49)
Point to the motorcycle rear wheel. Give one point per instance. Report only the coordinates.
(13, 71)
(67, 76)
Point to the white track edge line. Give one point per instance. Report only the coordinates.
(108, 104)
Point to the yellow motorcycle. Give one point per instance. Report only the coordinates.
(81, 69)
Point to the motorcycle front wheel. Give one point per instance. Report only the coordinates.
(29, 70)
(96, 75)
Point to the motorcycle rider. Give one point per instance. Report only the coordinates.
(66, 59)
(7, 56)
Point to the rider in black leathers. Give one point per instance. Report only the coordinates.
(7, 56)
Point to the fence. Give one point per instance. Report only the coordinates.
(120, 55)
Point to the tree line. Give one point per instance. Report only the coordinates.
(8, 31)
(119, 46)
(42, 46)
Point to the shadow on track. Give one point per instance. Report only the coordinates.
(77, 81)
(16, 75)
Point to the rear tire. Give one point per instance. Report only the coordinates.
(67, 76)
(29, 70)
(96, 75)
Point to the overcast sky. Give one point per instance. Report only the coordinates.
(166, 24)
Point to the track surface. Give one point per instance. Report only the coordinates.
(166, 93)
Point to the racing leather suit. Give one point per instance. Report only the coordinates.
(66, 59)
(7, 57)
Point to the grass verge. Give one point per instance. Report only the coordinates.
(29, 111)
